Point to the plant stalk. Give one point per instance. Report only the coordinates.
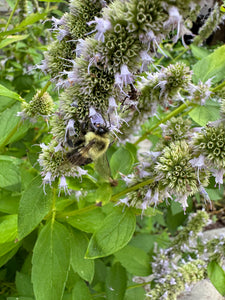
(11, 15)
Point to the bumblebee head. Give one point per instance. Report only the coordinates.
(99, 129)
(97, 123)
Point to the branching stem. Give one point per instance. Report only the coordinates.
(168, 117)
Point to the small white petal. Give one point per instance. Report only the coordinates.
(63, 185)
(198, 162)
(48, 178)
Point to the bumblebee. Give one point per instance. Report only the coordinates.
(91, 146)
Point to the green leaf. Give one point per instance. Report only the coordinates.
(132, 149)
(23, 284)
(173, 221)
(11, 3)
(9, 94)
(143, 241)
(101, 195)
(217, 276)
(20, 298)
(5, 258)
(76, 184)
(12, 39)
(67, 296)
(212, 66)
(6, 103)
(121, 161)
(135, 293)
(204, 114)
(199, 52)
(100, 273)
(87, 221)
(8, 233)
(81, 291)
(84, 267)
(9, 175)
(8, 122)
(215, 194)
(9, 202)
(51, 260)
(31, 19)
(114, 233)
(116, 282)
(34, 206)
(135, 260)
(10, 32)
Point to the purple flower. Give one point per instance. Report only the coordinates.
(175, 21)
(198, 162)
(125, 77)
(63, 185)
(96, 118)
(218, 174)
(101, 27)
(70, 131)
(123, 201)
(146, 60)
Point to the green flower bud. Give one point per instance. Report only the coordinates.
(38, 106)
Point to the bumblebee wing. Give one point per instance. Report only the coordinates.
(102, 167)
(80, 157)
(77, 159)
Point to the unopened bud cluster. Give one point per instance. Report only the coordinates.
(40, 105)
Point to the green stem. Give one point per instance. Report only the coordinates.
(76, 212)
(220, 86)
(13, 131)
(11, 15)
(131, 189)
(138, 285)
(169, 116)
(53, 205)
(113, 199)
(47, 7)
(103, 294)
(44, 89)
(178, 56)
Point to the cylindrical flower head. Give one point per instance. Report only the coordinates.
(58, 58)
(55, 164)
(176, 174)
(195, 225)
(175, 282)
(174, 130)
(162, 87)
(210, 143)
(38, 106)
